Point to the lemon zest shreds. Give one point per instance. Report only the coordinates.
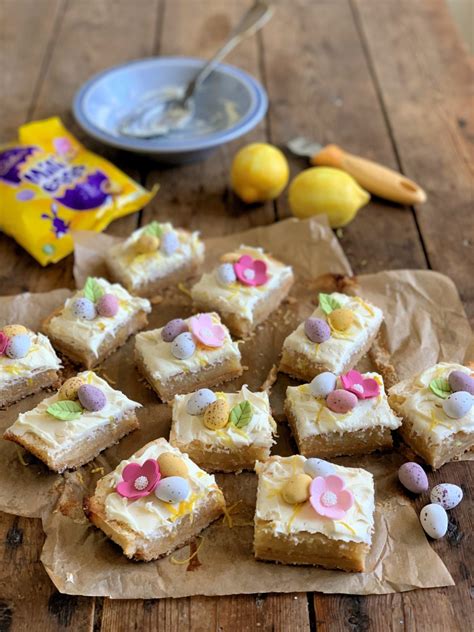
(173, 560)
(184, 289)
(344, 524)
(98, 469)
(296, 511)
(228, 514)
(364, 305)
(21, 457)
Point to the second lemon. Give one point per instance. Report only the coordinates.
(326, 190)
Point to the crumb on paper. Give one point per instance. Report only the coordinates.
(270, 379)
(156, 300)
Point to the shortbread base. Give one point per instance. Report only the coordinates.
(437, 454)
(84, 356)
(313, 549)
(243, 327)
(19, 389)
(151, 288)
(183, 383)
(78, 453)
(216, 459)
(147, 548)
(333, 444)
(301, 367)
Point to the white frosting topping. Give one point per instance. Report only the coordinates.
(148, 515)
(237, 297)
(161, 363)
(424, 409)
(40, 357)
(313, 417)
(91, 334)
(259, 432)
(57, 433)
(137, 269)
(335, 352)
(356, 526)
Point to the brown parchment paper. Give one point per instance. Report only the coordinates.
(81, 560)
(27, 487)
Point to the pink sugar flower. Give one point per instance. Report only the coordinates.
(329, 498)
(4, 340)
(362, 387)
(251, 271)
(139, 480)
(207, 332)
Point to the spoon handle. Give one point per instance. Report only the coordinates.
(251, 22)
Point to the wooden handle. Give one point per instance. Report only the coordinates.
(376, 179)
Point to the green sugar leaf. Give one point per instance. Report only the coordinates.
(92, 290)
(154, 228)
(65, 410)
(328, 304)
(241, 414)
(441, 388)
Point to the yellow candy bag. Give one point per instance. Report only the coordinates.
(50, 185)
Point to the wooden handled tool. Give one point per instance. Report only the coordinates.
(375, 178)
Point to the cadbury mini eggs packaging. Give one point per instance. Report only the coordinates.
(50, 185)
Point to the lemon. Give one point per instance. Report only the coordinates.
(259, 172)
(326, 190)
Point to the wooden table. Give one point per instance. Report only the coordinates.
(388, 79)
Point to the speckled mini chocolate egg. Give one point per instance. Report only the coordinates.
(183, 346)
(84, 308)
(460, 381)
(413, 477)
(18, 346)
(434, 520)
(296, 489)
(169, 243)
(225, 274)
(171, 464)
(199, 401)
(173, 489)
(341, 401)
(91, 397)
(216, 415)
(146, 244)
(323, 384)
(172, 329)
(107, 305)
(318, 467)
(70, 387)
(458, 404)
(447, 495)
(14, 330)
(317, 330)
(341, 318)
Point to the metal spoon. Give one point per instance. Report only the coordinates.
(151, 118)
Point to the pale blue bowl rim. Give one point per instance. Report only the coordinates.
(255, 114)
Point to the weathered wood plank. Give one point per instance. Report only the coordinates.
(197, 195)
(426, 80)
(28, 599)
(201, 614)
(25, 34)
(91, 36)
(321, 87)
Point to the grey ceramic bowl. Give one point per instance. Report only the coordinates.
(229, 104)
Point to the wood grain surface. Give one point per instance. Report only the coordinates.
(388, 79)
